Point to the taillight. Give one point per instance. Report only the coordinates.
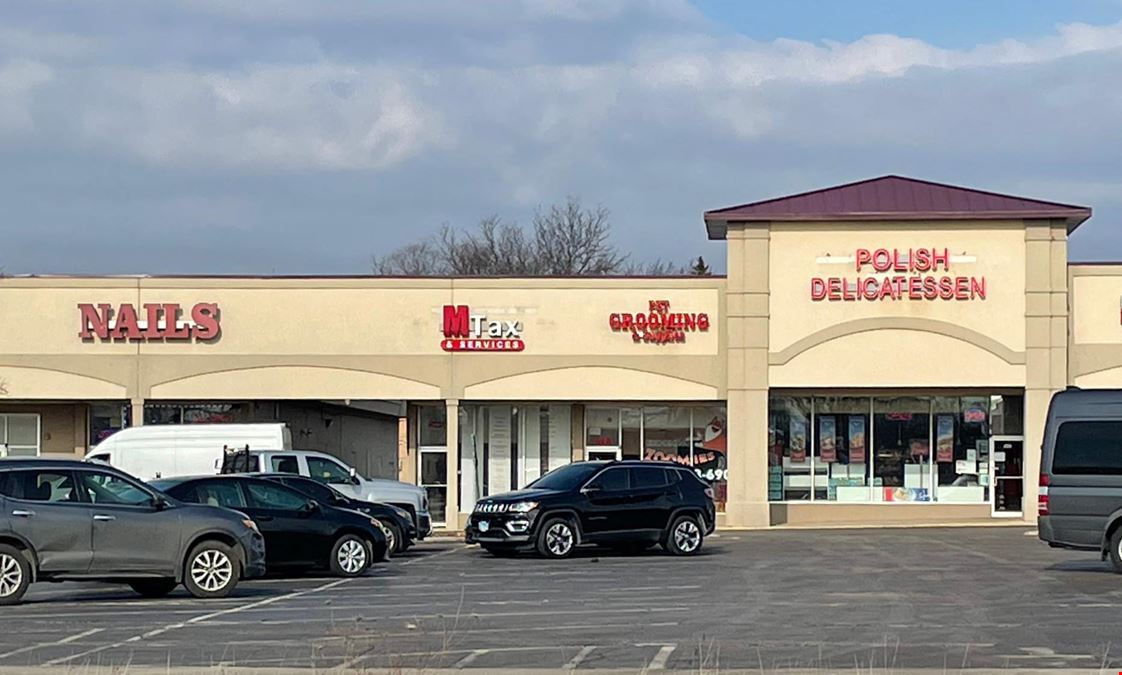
(1042, 496)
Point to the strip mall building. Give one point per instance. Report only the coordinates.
(879, 352)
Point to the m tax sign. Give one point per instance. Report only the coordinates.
(468, 332)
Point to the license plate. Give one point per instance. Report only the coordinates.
(484, 526)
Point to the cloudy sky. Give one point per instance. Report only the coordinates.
(293, 137)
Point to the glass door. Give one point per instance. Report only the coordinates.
(602, 454)
(1007, 469)
(434, 481)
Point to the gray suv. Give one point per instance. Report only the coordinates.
(1080, 504)
(73, 520)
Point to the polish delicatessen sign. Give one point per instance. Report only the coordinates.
(914, 274)
(150, 322)
(467, 331)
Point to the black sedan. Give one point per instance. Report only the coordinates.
(300, 533)
(400, 529)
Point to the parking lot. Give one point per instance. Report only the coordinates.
(766, 601)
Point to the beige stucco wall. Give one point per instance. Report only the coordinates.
(968, 342)
(363, 338)
(1095, 356)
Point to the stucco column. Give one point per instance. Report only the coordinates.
(452, 480)
(747, 336)
(136, 412)
(1046, 340)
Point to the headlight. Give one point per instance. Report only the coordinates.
(522, 507)
(251, 525)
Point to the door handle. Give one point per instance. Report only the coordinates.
(103, 517)
(263, 518)
(23, 513)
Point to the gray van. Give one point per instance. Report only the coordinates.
(1081, 473)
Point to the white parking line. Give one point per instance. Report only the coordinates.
(581, 656)
(470, 658)
(63, 641)
(663, 655)
(224, 612)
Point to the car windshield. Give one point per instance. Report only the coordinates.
(566, 477)
(163, 485)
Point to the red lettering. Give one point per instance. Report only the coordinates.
(864, 257)
(613, 321)
(941, 258)
(205, 316)
(456, 321)
(922, 260)
(847, 293)
(915, 290)
(833, 289)
(691, 322)
(125, 327)
(869, 288)
(882, 260)
(95, 321)
(703, 322)
(817, 288)
(946, 288)
(978, 287)
(152, 316)
(174, 331)
(961, 288)
(930, 288)
(898, 264)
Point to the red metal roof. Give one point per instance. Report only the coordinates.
(893, 198)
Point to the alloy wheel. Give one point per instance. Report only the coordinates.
(559, 539)
(212, 570)
(11, 575)
(687, 536)
(352, 556)
(391, 540)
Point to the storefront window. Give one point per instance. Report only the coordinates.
(432, 420)
(602, 427)
(631, 422)
(191, 413)
(666, 434)
(107, 419)
(962, 448)
(841, 451)
(789, 477)
(902, 458)
(710, 450)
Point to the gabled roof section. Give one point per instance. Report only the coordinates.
(893, 198)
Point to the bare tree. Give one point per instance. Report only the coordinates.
(573, 240)
(565, 240)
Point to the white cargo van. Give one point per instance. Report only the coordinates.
(165, 450)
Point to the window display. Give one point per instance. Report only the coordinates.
(886, 448)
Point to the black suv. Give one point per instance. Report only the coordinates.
(628, 505)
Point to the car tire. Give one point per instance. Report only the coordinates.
(153, 588)
(684, 536)
(501, 551)
(557, 538)
(15, 575)
(211, 570)
(350, 556)
(397, 543)
(1115, 551)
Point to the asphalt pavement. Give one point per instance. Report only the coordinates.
(870, 601)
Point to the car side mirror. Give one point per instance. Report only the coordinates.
(159, 503)
(311, 506)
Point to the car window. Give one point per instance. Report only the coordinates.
(672, 476)
(313, 489)
(285, 464)
(1086, 447)
(104, 488)
(39, 486)
(611, 480)
(566, 477)
(327, 471)
(647, 477)
(220, 493)
(267, 495)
